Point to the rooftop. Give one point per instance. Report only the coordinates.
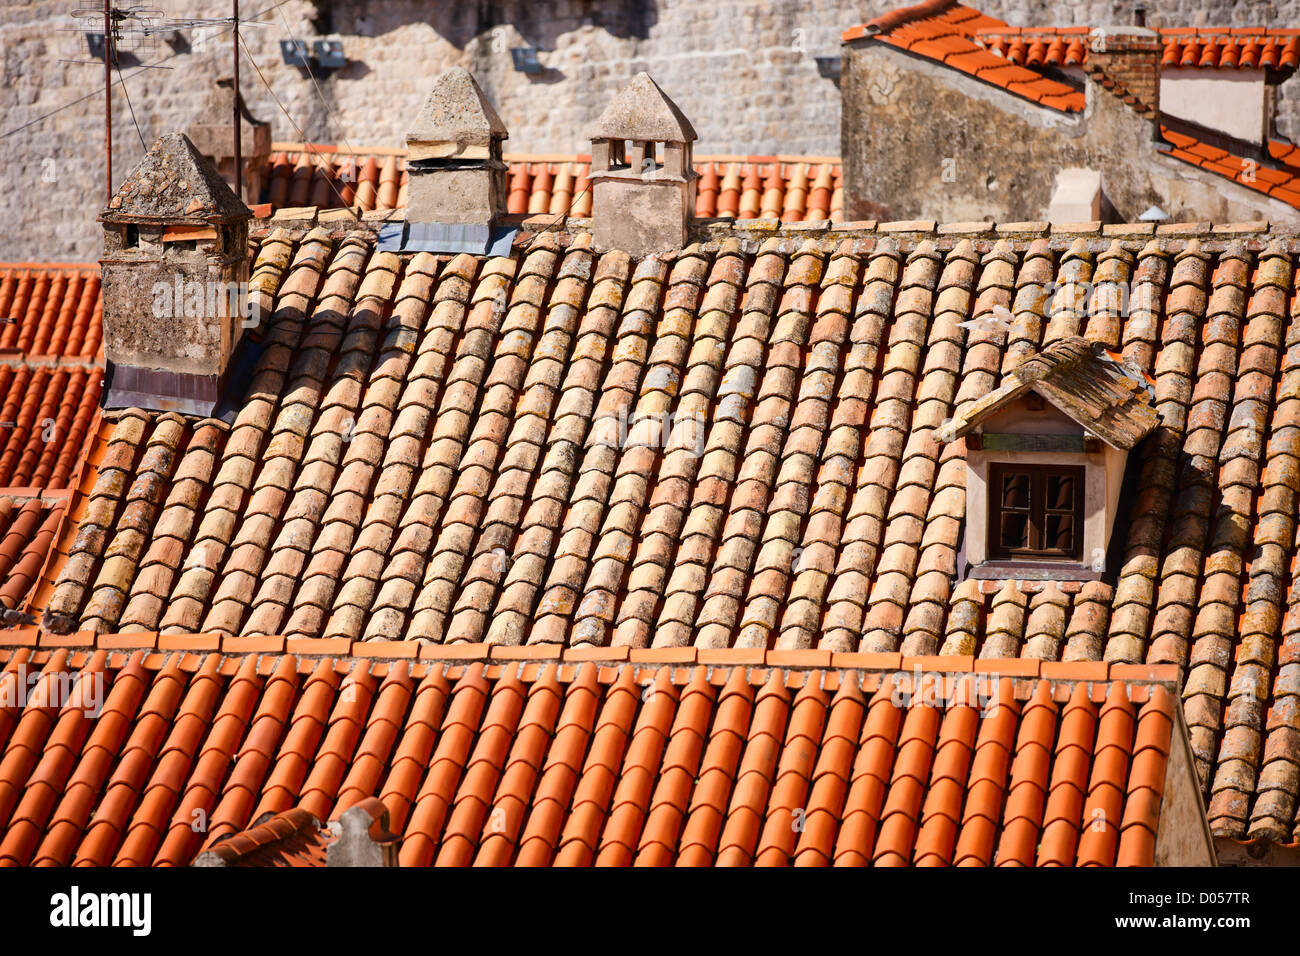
(51, 367)
(327, 176)
(563, 556)
(454, 450)
(1228, 48)
(523, 756)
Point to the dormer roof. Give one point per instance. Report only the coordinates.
(1081, 379)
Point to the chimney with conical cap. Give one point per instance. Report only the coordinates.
(456, 174)
(642, 172)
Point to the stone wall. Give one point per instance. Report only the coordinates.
(744, 71)
(987, 155)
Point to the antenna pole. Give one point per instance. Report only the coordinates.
(108, 101)
(239, 152)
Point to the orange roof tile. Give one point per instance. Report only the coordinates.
(46, 412)
(1281, 183)
(50, 309)
(556, 186)
(1191, 47)
(51, 360)
(27, 530)
(563, 762)
(489, 464)
(946, 31)
(293, 837)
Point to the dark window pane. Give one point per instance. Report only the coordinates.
(1060, 492)
(1059, 532)
(1015, 491)
(1015, 530)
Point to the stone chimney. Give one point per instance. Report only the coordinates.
(1126, 61)
(213, 135)
(175, 279)
(454, 164)
(642, 172)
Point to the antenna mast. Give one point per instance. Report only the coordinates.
(239, 152)
(108, 102)
(139, 26)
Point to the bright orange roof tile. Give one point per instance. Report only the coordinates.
(50, 309)
(474, 496)
(945, 31)
(1235, 48)
(46, 411)
(27, 534)
(1282, 183)
(565, 763)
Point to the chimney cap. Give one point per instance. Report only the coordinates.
(457, 111)
(174, 183)
(643, 112)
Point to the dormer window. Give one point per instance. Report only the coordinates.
(1045, 461)
(1036, 511)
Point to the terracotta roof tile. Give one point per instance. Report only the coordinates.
(46, 414)
(1238, 48)
(789, 188)
(611, 764)
(1281, 182)
(948, 32)
(27, 534)
(53, 309)
(487, 462)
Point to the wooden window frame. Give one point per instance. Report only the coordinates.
(1038, 475)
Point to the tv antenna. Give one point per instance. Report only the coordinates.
(134, 30)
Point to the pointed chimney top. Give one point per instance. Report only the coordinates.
(174, 183)
(457, 111)
(643, 112)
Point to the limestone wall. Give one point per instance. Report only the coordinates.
(744, 71)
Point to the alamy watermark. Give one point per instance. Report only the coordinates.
(58, 689)
(944, 690)
(195, 299)
(75, 909)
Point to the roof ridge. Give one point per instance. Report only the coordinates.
(463, 654)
